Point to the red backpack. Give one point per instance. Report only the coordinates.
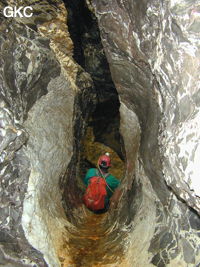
(94, 197)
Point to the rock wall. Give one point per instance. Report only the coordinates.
(42, 90)
(46, 99)
(25, 57)
(157, 44)
(48, 121)
(152, 49)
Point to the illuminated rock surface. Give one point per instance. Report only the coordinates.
(52, 101)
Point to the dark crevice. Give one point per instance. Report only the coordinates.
(70, 122)
(88, 49)
(105, 122)
(79, 22)
(104, 119)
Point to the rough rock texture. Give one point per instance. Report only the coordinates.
(46, 102)
(152, 49)
(88, 49)
(89, 53)
(51, 119)
(164, 52)
(25, 57)
(40, 212)
(30, 70)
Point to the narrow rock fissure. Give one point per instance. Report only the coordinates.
(93, 240)
(102, 132)
(63, 106)
(96, 238)
(97, 235)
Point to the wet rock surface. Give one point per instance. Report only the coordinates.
(150, 46)
(47, 102)
(25, 57)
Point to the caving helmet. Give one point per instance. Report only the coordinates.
(104, 161)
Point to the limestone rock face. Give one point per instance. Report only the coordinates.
(25, 57)
(153, 52)
(158, 47)
(152, 49)
(48, 122)
(41, 96)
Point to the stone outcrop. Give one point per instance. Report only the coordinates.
(25, 57)
(152, 49)
(157, 46)
(47, 103)
(41, 97)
